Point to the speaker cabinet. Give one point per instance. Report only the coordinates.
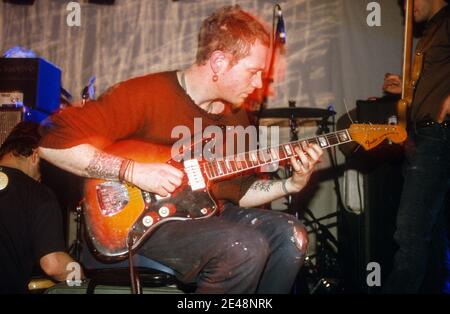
(366, 234)
(37, 81)
(9, 118)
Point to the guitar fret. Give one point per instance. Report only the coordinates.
(274, 153)
(217, 169)
(247, 160)
(296, 145)
(266, 155)
(221, 168)
(213, 172)
(288, 150)
(228, 166)
(233, 165)
(282, 152)
(254, 159)
(332, 139)
(322, 141)
(343, 136)
(261, 159)
(207, 170)
(238, 164)
(242, 161)
(304, 145)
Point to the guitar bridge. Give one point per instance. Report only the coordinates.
(112, 197)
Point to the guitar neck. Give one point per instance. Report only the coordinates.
(231, 165)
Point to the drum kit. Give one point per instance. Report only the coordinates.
(293, 117)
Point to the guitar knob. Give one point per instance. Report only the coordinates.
(149, 219)
(167, 210)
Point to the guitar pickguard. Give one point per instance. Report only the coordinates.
(183, 204)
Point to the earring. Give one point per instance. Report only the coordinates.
(215, 78)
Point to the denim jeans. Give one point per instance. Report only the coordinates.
(421, 231)
(240, 251)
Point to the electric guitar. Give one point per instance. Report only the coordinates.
(119, 217)
(407, 82)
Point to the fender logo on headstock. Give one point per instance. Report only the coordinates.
(375, 141)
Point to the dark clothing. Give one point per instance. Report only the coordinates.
(421, 232)
(227, 254)
(434, 83)
(419, 264)
(30, 228)
(147, 107)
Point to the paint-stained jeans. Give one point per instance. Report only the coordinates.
(240, 251)
(421, 231)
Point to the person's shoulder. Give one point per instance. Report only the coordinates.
(30, 186)
(136, 82)
(151, 78)
(140, 84)
(145, 81)
(19, 177)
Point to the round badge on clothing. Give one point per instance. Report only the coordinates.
(3, 180)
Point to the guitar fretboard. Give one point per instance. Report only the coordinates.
(253, 159)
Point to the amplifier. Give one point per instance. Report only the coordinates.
(379, 111)
(9, 117)
(11, 99)
(35, 81)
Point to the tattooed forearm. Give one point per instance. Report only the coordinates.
(263, 186)
(104, 166)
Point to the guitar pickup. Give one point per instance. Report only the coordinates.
(194, 174)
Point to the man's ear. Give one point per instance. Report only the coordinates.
(35, 156)
(218, 61)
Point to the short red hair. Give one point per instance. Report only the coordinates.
(231, 30)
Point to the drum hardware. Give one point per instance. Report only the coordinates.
(320, 274)
(75, 247)
(292, 112)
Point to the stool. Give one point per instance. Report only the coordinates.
(150, 272)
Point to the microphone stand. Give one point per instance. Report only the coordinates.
(289, 170)
(269, 77)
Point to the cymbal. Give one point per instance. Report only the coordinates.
(296, 112)
(283, 122)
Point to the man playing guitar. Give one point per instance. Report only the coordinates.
(242, 250)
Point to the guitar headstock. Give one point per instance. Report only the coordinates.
(371, 135)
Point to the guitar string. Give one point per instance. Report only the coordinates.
(136, 193)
